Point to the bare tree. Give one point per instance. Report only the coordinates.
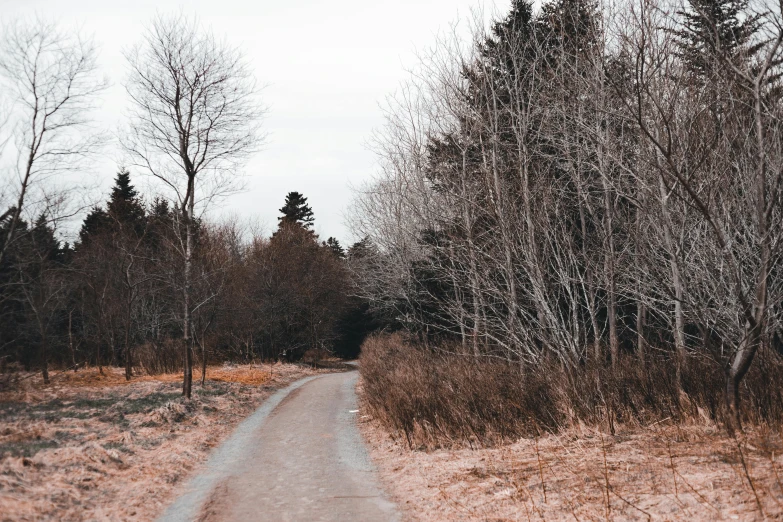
(194, 117)
(50, 78)
(715, 150)
(577, 180)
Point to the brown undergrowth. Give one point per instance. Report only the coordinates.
(433, 398)
(93, 446)
(462, 438)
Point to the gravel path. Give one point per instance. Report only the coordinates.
(298, 457)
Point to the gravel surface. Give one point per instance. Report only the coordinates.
(298, 457)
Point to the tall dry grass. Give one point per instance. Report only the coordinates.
(436, 397)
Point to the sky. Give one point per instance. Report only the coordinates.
(326, 68)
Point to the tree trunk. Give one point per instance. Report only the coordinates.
(203, 361)
(679, 293)
(45, 357)
(679, 322)
(112, 347)
(756, 319)
(128, 355)
(187, 383)
(614, 345)
(736, 372)
(641, 344)
(70, 341)
(98, 357)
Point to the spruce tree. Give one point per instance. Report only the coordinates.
(124, 205)
(362, 249)
(507, 35)
(124, 211)
(44, 242)
(296, 211)
(96, 222)
(713, 28)
(567, 28)
(334, 245)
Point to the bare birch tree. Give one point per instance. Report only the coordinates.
(194, 118)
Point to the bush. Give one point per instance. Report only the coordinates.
(158, 358)
(441, 397)
(314, 356)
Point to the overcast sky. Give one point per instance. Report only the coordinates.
(326, 65)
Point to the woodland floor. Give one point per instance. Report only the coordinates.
(661, 472)
(94, 447)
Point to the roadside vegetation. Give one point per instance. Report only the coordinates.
(432, 397)
(576, 234)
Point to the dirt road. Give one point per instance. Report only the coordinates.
(299, 457)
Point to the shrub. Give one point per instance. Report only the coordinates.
(158, 358)
(435, 397)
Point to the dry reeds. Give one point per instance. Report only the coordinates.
(436, 398)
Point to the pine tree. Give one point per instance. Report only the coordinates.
(96, 222)
(507, 35)
(46, 246)
(124, 211)
(296, 210)
(712, 28)
(362, 249)
(336, 248)
(124, 205)
(567, 28)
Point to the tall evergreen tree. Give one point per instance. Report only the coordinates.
(44, 242)
(567, 28)
(124, 205)
(362, 249)
(712, 28)
(334, 245)
(96, 221)
(296, 210)
(124, 211)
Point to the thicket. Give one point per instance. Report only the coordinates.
(432, 397)
(583, 199)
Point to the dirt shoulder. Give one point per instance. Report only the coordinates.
(659, 473)
(95, 447)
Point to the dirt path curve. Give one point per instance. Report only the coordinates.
(298, 457)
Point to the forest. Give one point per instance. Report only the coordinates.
(151, 284)
(112, 298)
(578, 218)
(563, 285)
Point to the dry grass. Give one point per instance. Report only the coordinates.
(92, 446)
(658, 473)
(250, 374)
(435, 398)
(460, 438)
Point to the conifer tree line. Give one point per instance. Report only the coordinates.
(152, 285)
(114, 296)
(589, 182)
